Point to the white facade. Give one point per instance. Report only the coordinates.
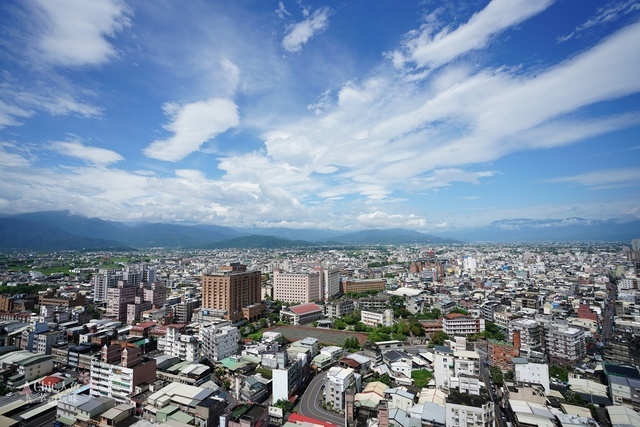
(466, 363)
(565, 345)
(296, 287)
(186, 347)
(374, 318)
(113, 381)
(470, 416)
(336, 384)
(280, 384)
(103, 280)
(469, 263)
(443, 363)
(462, 325)
(330, 282)
(531, 332)
(537, 373)
(218, 342)
(627, 283)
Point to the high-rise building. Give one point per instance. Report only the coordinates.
(231, 289)
(299, 288)
(174, 343)
(634, 255)
(565, 345)
(219, 340)
(330, 283)
(118, 371)
(127, 302)
(102, 281)
(118, 298)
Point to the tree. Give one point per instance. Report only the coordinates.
(378, 335)
(351, 318)
(438, 338)
(339, 324)
(385, 379)
(359, 327)
(433, 314)
(421, 377)
(399, 337)
(496, 375)
(417, 330)
(351, 343)
(285, 405)
(559, 372)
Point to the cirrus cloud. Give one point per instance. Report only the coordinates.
(300, 33)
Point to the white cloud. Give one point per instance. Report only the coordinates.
(606, 14)
(76, 32)
(301, 32)
(10, 156)
(10, 115)
(380, 219)
(433, 50)
(95, 155)
(602, 179)
(282, 11)
(192, 125)
(384, 136)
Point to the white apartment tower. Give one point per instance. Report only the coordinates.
(330, 282)
(565, 345)
(297, 287)
(185, 347)
(102, 281)
(219, 340)
(336, 384)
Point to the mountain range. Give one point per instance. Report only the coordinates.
(61, 230)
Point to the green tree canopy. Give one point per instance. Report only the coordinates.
(421, 377)
(437, 338)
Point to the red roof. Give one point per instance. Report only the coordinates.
(145, 325)
(299, 418)
(50, 381)
(305, 308)
(452, 316)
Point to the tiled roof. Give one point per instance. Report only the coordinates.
(305, 308)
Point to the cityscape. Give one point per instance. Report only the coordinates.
(305, 213)
(379, 335)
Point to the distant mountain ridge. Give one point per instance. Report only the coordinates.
(391, 236)
(17, 234)
(61, 230)
(558, 230)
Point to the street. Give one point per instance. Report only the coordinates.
(310, 403)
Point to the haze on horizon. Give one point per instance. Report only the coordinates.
(430, 116)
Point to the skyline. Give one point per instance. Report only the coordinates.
(426, 115)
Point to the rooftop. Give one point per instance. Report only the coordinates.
(305, 308)
(467, 399)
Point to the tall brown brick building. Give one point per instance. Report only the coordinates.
(230, 290)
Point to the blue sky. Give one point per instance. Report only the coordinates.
(428, 115)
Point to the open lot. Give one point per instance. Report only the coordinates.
(325, 336)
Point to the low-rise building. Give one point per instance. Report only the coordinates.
(302, 314)
(375, 318)
(466, 410)
(459, 324)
